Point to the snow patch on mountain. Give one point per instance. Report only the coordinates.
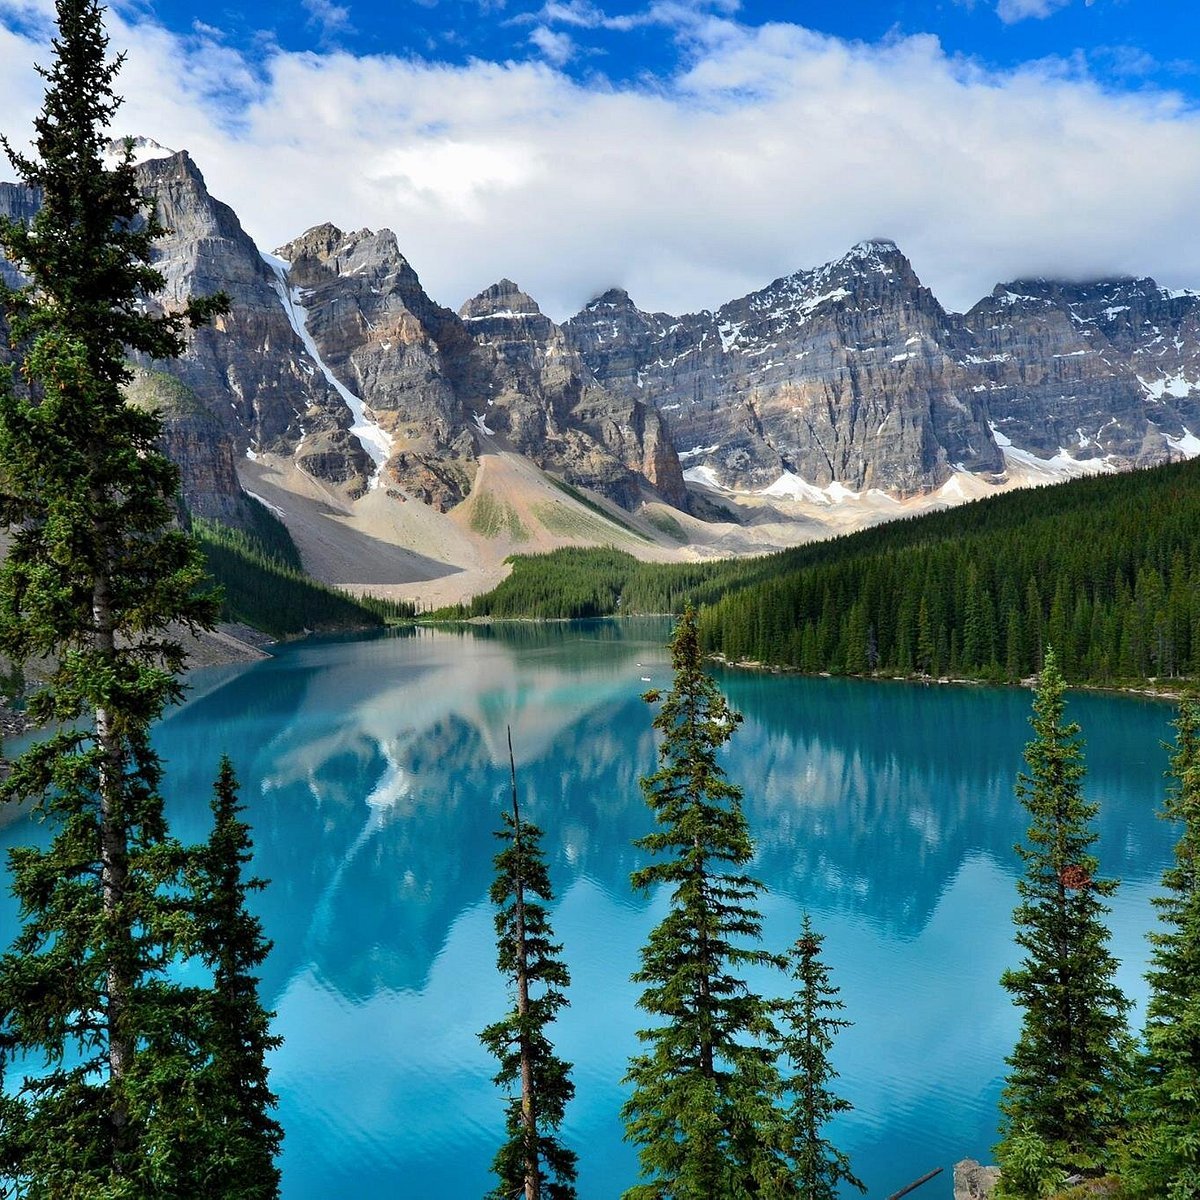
(144, 150)
(705, 476)
(1060, 466)
(1188, 445)
(1173, 385)
(376, 440)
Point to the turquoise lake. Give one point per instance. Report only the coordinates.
(374, 770)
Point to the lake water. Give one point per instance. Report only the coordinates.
(374, 771)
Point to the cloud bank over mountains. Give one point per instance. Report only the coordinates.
(769, 149)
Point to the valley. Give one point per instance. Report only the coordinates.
(410, 449)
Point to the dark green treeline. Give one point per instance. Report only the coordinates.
(1106, 569)
(264, 586)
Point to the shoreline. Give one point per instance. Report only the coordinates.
(1150, 689)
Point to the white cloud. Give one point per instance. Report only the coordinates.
(556, 47)
(774, 149)
(326, 16)
(1011, 11)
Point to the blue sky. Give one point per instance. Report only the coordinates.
(688, 150)
(1125, 43)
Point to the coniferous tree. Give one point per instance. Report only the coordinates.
(94, 576)
(703, 1106)
(1166, 1142)
(243, 1137)
(532, 1162)
(808, 1024)
(1061, 1102)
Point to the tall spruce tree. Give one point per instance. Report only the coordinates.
(1166, 1142)
(532, 1162)
(95, 574)
(703, 1105)
(808, 1024)
(1061, 1103)
(242, 1137)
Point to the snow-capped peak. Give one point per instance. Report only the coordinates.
(144, 150)
(872, 248)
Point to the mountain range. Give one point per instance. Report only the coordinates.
(404, 443)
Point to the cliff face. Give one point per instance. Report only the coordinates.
(249, 367)
(436, 383)
(1110, 368)
(854, 374)
(845, 374)
(405, 357)
(850, 376)
(538, 391)
(205, 452)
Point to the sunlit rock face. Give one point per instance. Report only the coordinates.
(543, 396)
(846, 374)
(853, 375)
(249, 367)
(847, 378)
(333, 355)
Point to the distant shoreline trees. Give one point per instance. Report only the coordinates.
(1105, 569)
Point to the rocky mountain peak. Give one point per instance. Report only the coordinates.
(144, 150)
(325, 251)
(157, 169)
(869, 265)
(874, 253)
(614, 298)
(502, 299)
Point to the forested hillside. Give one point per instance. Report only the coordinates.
(1106, 570)
(264, 585)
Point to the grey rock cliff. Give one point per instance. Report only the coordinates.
(847, 373)
(851, 374)
(204, 451)
(1098, 369)
(249, 367)
(854, 373)
(406, 357)
(541, 394)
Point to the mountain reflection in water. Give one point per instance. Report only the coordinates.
(374, 769)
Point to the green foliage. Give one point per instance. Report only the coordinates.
(702, 1109)
(105, 1052)
(606, 514)
(567, 583)
(1030, 1167)
(491, 517)
(809, 1024)
(1107, 569)
(231, 1084)
(536, 1079)
(1165, 1147)
(665, 523)
(1062, 1101)
(260, 588)
(271, 537)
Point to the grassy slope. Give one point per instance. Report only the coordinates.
(1105, 568)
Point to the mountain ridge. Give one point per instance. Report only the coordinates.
(829, 399)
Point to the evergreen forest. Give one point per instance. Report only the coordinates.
(1105, 569)
(263, 584)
